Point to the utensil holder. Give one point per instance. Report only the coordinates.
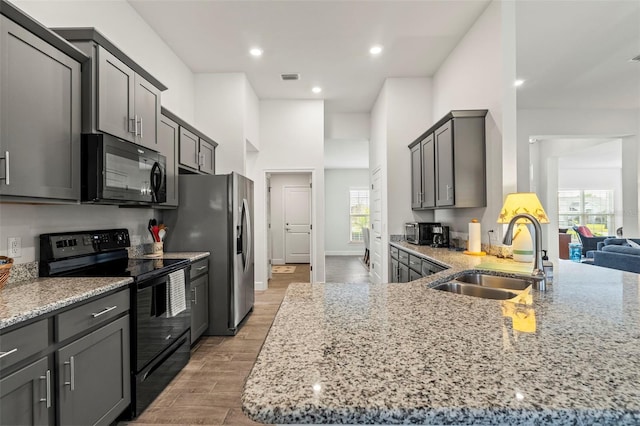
(157, 249)
(5, 270)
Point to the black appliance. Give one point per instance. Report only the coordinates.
(420, 233)
(119, 172)
(440, 236)
(160, 341)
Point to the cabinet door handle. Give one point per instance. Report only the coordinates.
(195, 296)
(12, 351)
(140, 127)
(47, 379)
(72, 373)
(6, 167)
(135, 122)
(132, 123)
(449, 192)
(104, 311)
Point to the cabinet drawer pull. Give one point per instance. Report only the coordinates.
(72, 370)
(12, 351)
(104, 311)
(6, 167)
(47, 379)
(201, 268)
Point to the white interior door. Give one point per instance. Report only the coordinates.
(269, 234)
(375, 240)
(297, 224)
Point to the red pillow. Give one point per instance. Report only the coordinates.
(584, 231)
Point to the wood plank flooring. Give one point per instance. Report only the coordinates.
(208, 390)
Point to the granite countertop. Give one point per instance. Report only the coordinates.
(192, 256)
(406, 353)
(25, 300)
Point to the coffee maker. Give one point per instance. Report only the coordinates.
(440, 236)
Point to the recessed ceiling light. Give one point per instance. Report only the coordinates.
(375, 50)
(316, 89)
(256, 51)
(518, 83)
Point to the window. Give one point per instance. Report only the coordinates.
(593, 208)
(358, 213)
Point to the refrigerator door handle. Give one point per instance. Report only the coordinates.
(244, 235)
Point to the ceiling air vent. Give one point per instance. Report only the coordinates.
(288, 77)
(636, 59)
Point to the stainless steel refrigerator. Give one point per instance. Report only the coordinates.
(215, 214)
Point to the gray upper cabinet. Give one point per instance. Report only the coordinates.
(119, 97)
(207, 157)
(444, 165)
(189, 149)
(197, 152)
(128, 105)
(40, 116)
(416, 177)
(453, 157)
(168, 133)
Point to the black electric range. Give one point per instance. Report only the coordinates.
(159, 334)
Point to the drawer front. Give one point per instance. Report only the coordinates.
(199, 267)
(23, 342)
(394, 252)
(415, 263)
(90, 314)
(403, 256)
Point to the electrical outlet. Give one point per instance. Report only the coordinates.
(493, 237)
(14, 246)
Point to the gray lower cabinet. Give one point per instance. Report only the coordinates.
(40, 117)
(93, 376)
(405, 266)
(26, 396)
(451, 172)
(199, 283)
(168, 136)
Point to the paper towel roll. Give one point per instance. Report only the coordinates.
(475, 235)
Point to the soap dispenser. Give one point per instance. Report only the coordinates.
(547, 266)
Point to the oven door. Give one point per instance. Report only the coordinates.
(155, 328)
(121, 172)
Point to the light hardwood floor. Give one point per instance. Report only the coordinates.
(208, 390)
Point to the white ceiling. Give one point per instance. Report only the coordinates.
(327, 42)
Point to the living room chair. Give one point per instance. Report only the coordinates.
(587, 239)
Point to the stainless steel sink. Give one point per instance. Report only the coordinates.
(476, 290)
(494, 281)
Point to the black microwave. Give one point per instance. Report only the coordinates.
(420, 233)
(119, 172)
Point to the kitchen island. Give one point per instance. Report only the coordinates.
(407, 353)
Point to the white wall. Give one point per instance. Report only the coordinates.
(28, 221)
(291, 139)
(585, 124)
(472, 77)
(353, 126)
(122, 25)
(337, 183)
(278, 182)
(220, 112)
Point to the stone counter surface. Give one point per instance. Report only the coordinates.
(406, 353)
(25, 300)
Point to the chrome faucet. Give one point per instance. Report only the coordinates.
(538, 268)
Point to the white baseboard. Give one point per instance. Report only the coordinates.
(259, 286)
(344, 253)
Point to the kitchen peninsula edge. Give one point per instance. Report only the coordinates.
(407, 353)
